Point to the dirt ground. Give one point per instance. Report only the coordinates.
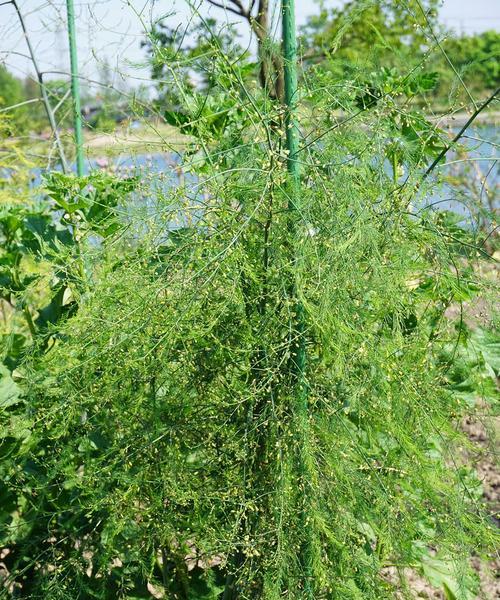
(483, 432)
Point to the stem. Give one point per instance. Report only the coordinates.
(75, 88)
(394, 169)
(472, 118)
(29, 321)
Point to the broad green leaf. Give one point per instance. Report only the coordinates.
(443, 573)
(488, 343)
(423, 82)
(9, 390)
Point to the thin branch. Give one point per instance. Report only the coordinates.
(472, 118)
(61, 101)
(13, 106)
(238, 3)
(240, 10)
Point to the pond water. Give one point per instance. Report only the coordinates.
(478, 170)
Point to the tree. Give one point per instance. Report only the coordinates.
(369, 34)
(12, 93)
(256, 14)
(186, 56)
(362, 37)
(476, 57)
(166, 42)
(11, 88)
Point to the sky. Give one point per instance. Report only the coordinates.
(112, 30)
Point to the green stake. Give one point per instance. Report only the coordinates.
(292, 146)
(293, 166)
(291, 92)
(75, 87)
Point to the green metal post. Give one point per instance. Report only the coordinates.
(292, 145)
(291, 91)
(294, 206)
(75, 87)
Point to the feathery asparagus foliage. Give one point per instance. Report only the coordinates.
(156, 442)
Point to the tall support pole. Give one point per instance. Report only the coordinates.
(291, 93)
(75, 87)
(299, 350)
(293, 164)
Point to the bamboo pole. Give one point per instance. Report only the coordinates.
(75, 88)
